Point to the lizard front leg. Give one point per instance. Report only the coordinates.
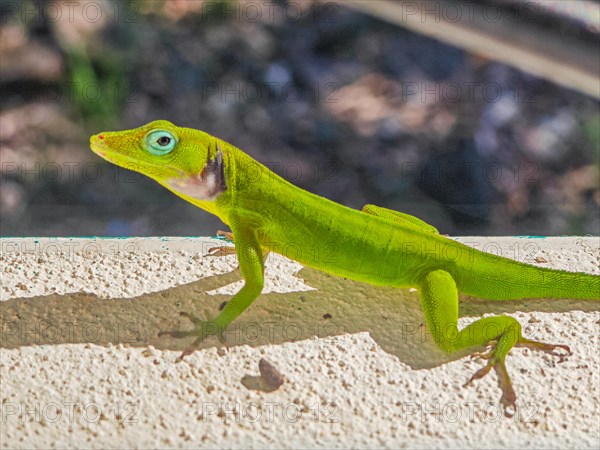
(251, 265)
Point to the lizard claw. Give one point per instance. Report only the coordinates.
(227, 236)
(481, 355)
(486, 355)
(548, 348)
(508, 393)
(220, 251)
(479, 374)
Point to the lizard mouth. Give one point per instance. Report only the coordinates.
(98, 146)
(115, 157)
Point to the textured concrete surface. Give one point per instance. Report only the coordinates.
(82, 367)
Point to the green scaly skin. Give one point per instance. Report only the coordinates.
(375, 245)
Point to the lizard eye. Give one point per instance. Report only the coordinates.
(159, 142)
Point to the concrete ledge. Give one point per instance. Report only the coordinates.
(82, 366)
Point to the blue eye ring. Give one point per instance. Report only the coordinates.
(159, 142)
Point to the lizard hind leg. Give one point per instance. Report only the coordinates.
(439, 299)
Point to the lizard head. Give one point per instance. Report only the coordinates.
(186, 161)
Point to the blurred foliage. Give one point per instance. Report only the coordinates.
(592, 129)
(341, 104)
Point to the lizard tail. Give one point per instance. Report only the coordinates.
(514, 280)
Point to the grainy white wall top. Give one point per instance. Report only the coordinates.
(82, 365)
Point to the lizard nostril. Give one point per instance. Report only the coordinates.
(100, 136)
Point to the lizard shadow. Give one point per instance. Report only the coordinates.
(338, 306)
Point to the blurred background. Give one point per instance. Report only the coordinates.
(360, 103)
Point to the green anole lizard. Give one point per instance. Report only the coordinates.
(375, 245)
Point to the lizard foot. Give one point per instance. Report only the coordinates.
(508, 393)
(202, 330)
(497, 363)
